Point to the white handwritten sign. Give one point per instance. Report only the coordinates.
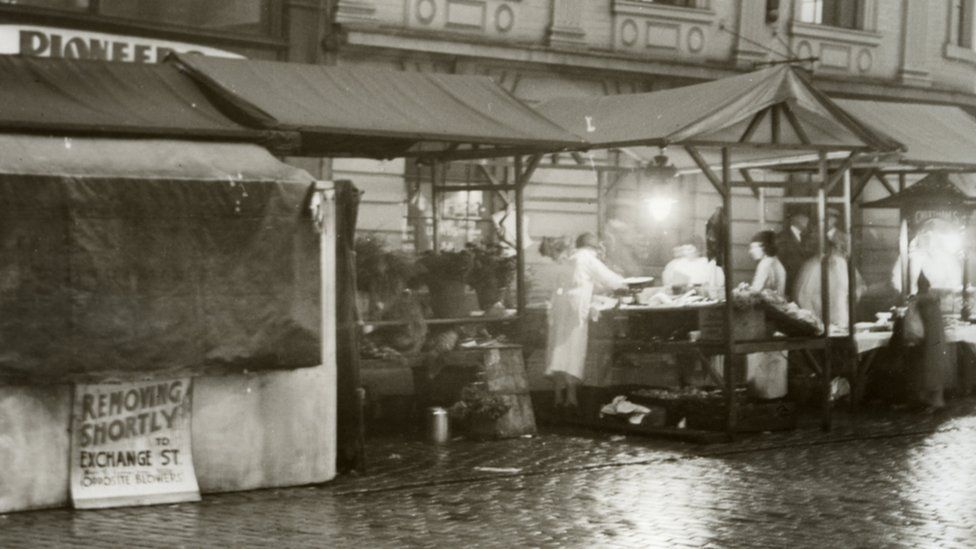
(130, 444)
(38, 41)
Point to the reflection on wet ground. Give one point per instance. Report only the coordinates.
(880, 479)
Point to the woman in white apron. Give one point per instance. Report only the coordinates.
(569, 312)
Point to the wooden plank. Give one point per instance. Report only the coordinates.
(707, 171)
(753, 126)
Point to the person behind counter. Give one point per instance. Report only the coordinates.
(770, 273)
(689, 268)
(808, 283)
(793, 248)
(569, 312)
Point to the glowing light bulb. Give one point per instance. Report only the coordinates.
(659, 207)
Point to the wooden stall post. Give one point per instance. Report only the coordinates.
(522, 177)
(434, 210)
(519, 238)
(851, 272)
(323, 211)
(730, 403)
(824, 286)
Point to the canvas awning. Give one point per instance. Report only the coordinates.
(342, 111)
(934, 136)
(767, 116)
(936, 190)
(97, 98)
(131, 257)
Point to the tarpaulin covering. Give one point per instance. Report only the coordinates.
(936, 190)
(344, 111)
(107, 99)
(717, 113)
(125, 257)
(933, 135)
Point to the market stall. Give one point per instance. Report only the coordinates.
(938, 146)
(433, 119)
(767, 118)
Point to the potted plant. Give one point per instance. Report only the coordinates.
(491, 273)
(445, 275)
(479, 410)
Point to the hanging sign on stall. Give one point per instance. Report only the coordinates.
(130, 444)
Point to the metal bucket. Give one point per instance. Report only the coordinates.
(438, 431)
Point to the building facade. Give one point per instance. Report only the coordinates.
(914, 50)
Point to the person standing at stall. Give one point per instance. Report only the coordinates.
(770, 273)
(793, 249)
(930, 359)
(808, 283)
(569, 313)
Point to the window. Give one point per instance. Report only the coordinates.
(678, 3)
(81, 5)
(234, 16)
(963, 13)
(247, 17)
(847, 14)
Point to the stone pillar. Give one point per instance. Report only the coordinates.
(566, 29)
(914, 66)
(752, 26)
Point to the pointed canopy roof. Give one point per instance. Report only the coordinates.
(936, 190)
(775, 108)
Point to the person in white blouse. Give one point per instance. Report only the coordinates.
(569, 312)
(770, 273)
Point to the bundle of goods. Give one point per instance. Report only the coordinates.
(788, 317)
(703, 409)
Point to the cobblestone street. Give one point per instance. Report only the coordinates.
(887, 479)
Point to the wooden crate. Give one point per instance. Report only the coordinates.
(747, 324)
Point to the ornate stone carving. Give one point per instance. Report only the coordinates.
(355, 11)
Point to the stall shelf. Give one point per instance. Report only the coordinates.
(763, 118)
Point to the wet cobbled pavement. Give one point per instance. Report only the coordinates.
(882, 478)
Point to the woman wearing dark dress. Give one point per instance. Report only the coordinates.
(931, 358)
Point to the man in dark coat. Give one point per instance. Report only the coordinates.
(793, 249)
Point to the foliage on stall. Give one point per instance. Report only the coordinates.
(492, 272)
(381, 274)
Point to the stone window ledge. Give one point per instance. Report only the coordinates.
(835, 34)
(662, 11)
(959, 53)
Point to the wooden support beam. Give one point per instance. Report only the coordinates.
(523, 176)
(749, 180)
(707, 171)
(884, 181)
(838, 175)
(861, 183)
(824, 288)
(727, 369)
(774, 124)
(519, 234)
(795, 124)
(753, 126)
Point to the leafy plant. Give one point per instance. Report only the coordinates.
(380, 271)
(478, 404)
(491, 272)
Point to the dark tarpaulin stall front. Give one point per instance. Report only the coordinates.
(122, 257)
(108, 99)
(342, 111)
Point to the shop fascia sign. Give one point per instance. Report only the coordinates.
(37, 41)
